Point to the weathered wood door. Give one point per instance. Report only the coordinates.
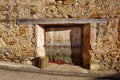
(76, 45)
(64, 43)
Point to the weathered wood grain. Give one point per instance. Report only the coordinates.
(85, 46)
(119, 30)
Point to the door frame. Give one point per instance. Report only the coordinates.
(85, 40)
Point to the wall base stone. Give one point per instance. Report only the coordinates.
(43, 62)
(95, 67)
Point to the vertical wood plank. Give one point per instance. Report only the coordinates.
(76, 45)
(85, 46)
(119, 30)
(118, 45)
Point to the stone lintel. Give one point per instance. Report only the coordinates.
(60, 21)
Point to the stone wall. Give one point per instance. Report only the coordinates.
(17, 41)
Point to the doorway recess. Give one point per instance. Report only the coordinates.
(66, 40)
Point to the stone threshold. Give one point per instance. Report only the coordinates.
(32, 69)
(60, 21)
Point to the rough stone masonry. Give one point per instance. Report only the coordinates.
(17, 42)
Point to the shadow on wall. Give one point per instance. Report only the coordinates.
(35, 61)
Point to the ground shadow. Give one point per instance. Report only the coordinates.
(110, 77)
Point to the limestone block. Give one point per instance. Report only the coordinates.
(39, 35)
(26, 61)
(51, 2)
(22, 30)
(34, 9)
(69, 2)
(43, 62)
(118, 12)
(40, 51)
(93, 33)
(94, 67)
(10, 57)
(96, 15)
(1, 56)
(2, 7)
(2, 43)
(6, 40)
(17, 61)
(12, 43)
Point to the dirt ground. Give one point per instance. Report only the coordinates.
(17, 75)
(16, 71)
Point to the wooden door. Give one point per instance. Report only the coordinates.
(76, 45)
